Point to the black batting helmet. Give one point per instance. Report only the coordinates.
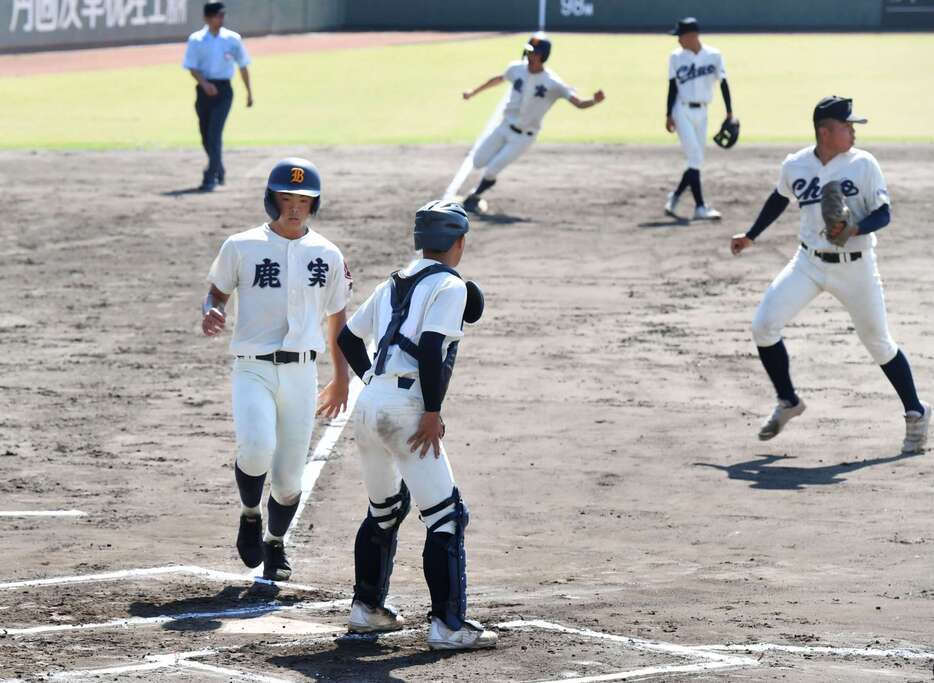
(439, 224)
(295, 176)
(540, 46)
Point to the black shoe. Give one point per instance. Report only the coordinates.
(250, 540)
(206, 187)
(220, 178)
(471, 202)
(276, 565)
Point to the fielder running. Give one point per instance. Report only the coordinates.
(415, 320)
(844, 201)
(534, 90)
(693, 69)
(287, 279)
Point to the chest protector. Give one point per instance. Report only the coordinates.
(401, 289)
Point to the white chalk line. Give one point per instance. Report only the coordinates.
(209, 574)
(254, 610)
(42, 513)
(467, 164)
(869, 652)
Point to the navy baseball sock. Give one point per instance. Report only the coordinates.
(899, 373)
(484, 186)
(685, 182)
(251, 488)
(775, 360)
(694, 181)
(280, 517)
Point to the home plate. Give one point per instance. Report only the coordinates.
(272, 623)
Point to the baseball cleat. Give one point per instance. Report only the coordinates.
(475, 204)
(276, 565)
(250, 540)
(783, 412)
(366, 619)
(471, 636)
(916, 430)
(706, 213)
(671, 204)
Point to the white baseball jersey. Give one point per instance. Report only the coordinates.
(803, 175)
(437, 305)
(532, 95)
(696, 74)
(284, 288)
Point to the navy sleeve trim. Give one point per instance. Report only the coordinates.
(774, 206)
(672, 94)
(877, 220)
(429, 369)
(727, 101)
(354, 351)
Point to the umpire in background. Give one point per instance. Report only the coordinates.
(210, 57)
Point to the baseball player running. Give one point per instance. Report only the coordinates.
(844, 201)
(693, 69)
(287, 278)
(415, 320)
(534, 90)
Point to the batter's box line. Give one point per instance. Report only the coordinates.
(867, 652)
(708, 660)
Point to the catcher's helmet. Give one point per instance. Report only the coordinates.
(295, 176)
(539, 45)
(728, 134)
(439, 224)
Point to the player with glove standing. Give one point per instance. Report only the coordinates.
(844, 201)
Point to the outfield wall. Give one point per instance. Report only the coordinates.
(55, 24)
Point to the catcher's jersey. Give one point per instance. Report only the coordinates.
(696, 74)
(284, 288)
(437, 305)
(532, 95)
(802, 176)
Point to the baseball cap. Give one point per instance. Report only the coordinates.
(686, 25)
(213, 8)
(539, 45)
(838, 108)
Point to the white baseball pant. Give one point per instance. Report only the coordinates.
(855, 284)
(384, 419)
(499, 149)
(274, 415)
(691, 126)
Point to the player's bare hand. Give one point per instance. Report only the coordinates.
(739, 242)
(333, 398)
(670, 125)
(599, 96)
(209, 89)
(212, 324)
(429, 435)
(466, 94)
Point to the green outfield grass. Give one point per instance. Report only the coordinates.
(411, 94)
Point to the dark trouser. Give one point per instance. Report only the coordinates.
(212, 114)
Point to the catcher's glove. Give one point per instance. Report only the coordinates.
(728, 134)
(837, 222)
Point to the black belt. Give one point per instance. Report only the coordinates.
(283, 357)
(514, 129)
(695, 105)
(834, 257)
(219, 81)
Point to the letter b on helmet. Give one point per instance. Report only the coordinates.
(295, 176)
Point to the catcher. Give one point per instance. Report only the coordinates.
(844, 201)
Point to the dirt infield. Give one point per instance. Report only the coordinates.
(602, 423)
(62, 61)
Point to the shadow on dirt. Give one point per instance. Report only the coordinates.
(179, 193)
(497, 218)
(203, 613)
(763, 474)
(666, 223)
(361, 658)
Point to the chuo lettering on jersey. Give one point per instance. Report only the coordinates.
(689, 73)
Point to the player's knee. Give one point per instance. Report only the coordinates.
(254, 454)
(764, 331)
(447, 516)
(882, 348)
(389, 513)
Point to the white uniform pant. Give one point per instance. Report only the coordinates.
(274, 415)
(691, 126)
(856, 284)
(499, 149)
(384, 419)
